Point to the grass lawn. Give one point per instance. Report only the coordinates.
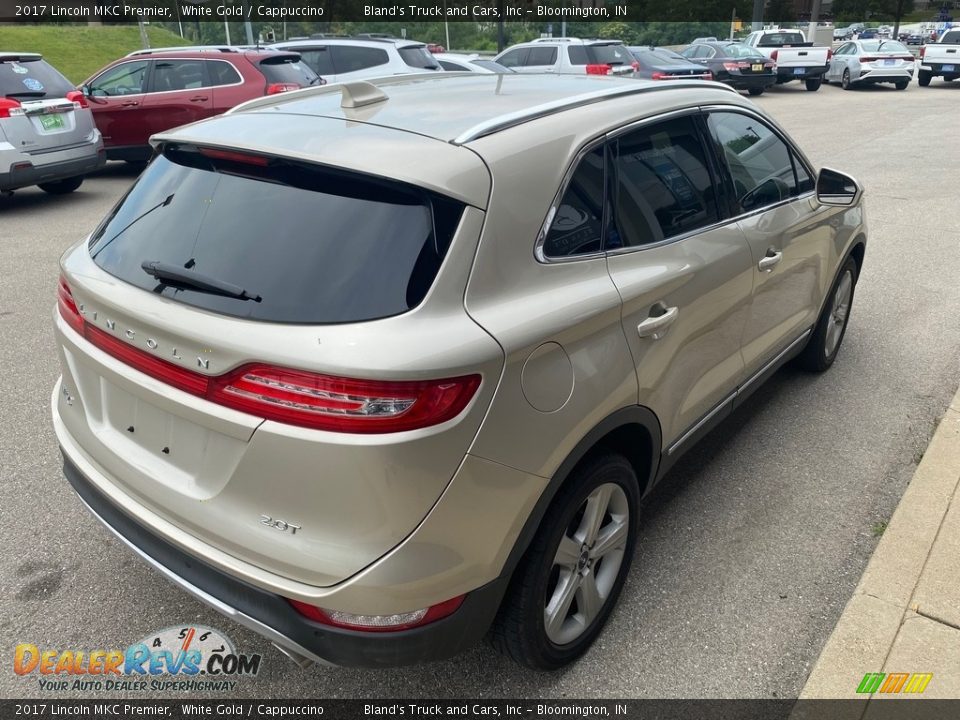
(79, 51)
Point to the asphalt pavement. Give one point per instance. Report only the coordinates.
(749, 549)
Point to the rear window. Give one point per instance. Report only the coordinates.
(608, 55)
(32, 78)
(951, 36)
(781, 39)
(287, 69)
(350, 58)
(314, 245)
(419, 57)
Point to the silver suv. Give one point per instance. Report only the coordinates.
(569, 56)
(378, 368)
(47, 135)
(345, 59)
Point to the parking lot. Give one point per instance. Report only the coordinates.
(749, 549)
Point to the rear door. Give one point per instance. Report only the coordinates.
(788, 232)
(683, 271)
(117, 99)
(228, 87)
(48, 120)
(179, 93)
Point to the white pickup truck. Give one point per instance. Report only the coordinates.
(796, 58)
(940, 59)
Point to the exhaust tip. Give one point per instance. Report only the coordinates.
(301, 661)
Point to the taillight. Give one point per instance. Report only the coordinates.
(68, 306)
(867, 58)
(599, 69)
(635, 65)
(829, 53)
(295, 397)
(342, 404)
(773, 55)
(731, 66)
(923, 51)
(708, 75)
(9, 108)
(78, 99)
(378, 623)
(276, 88)
(659, 76)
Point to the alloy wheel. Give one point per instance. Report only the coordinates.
(839, 313)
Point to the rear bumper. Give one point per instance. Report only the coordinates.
(789, 73)
(886, 75)
(272, 617)
(29, 170)
(745, 82)
(936, 69)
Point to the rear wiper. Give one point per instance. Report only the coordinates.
(181, 277)
(27, 94)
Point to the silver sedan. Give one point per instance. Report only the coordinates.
(871, 61)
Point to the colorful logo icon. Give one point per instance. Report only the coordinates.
(891, 683)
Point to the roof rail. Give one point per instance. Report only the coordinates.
(509, 120)
(187, 48)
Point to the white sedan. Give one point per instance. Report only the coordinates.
(469, 63)
(871, 61)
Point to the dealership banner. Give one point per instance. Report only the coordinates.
(279, 11)
(113, 709)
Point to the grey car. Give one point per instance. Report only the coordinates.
(47, 134)
(492, 312)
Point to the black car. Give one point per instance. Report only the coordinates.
(661, 64)
(735, 64)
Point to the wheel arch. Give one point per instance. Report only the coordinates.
(632, 431)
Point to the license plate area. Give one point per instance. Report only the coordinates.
(52, 122)
(948, 68)
(757, 67)
(799, 71)
(889, 62)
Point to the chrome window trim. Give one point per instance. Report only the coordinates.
(204, 87)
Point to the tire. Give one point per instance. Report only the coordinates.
(824, 344)
(845, 82)
(901, 85)
(813, 84)
(755, 91)
(923, 77)
(61, 187)
(560, 559)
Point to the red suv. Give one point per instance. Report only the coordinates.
(149, 91)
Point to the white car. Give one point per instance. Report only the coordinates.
(871, 61)
(345, 59)
(569, 56)
(453, 62)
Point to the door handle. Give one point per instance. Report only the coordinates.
(129, 103)
(198, 98)
(770, 260)
(655, 326)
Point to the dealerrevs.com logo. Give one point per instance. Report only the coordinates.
(189, 658)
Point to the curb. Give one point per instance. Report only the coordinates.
(886, 600)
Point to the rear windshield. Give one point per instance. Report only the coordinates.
(288, 69)
(781, 39)
(608, 55)
(883, 46)
(419, 57)
(32, 78)
(737, 50)
(311, 245)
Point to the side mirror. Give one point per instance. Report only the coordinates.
(85, 89)
(835, 188)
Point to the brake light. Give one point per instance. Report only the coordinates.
(829, 53)
(923, 51)
(660, 76)
(599, 69)
(379, 623)
(10, 108)
(68, 306)
(78, 99)
(295, 397)
(276, 88)
(773, 55)
(234, 156)
(732, 66)
(342, 404)
(635, 65)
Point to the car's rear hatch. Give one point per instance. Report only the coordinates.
(611, 53)
(353, 283)
(35, 115)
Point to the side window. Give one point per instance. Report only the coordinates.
(319, 59)
(125, 79)
(222, 73)
(576, 227)
(171, 75)
(577, 55)
(663, 187)
(350, 58)
(759, 162)
(545, 55)
(514, 58)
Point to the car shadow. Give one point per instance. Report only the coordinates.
(32, 198)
